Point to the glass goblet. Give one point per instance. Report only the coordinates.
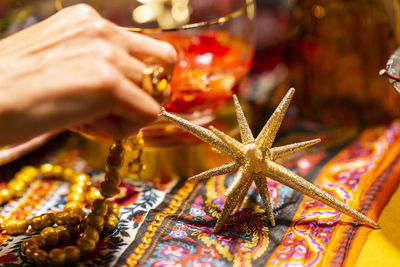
(214, 44)
(213, 40)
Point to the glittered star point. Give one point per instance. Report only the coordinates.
(254, 159)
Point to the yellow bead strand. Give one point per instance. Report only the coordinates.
(71, 222)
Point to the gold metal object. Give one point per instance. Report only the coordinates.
(254, 160)
(155, 80)
(248, 7)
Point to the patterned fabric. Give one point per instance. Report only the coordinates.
(172, 225)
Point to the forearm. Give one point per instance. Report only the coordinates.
(73, 69)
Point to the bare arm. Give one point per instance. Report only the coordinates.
(76, 70)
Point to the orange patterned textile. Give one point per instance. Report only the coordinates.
(364, 174)
(169, 223)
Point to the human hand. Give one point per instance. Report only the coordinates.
(77, 70)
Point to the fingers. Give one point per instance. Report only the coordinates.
(128, 51)
(109, 127)
(132, 110)
(128, 115)
(79, 91)
(153, 52)
(150, 51)
(132, 52)
(134, 103)
(129, 66)
(77, 68)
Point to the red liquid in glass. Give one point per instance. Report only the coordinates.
(209, 66)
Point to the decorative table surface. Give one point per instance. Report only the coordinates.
(169, 222)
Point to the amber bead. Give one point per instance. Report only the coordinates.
(40, 257)
(61, 218)
(16, 227)
(29, 171)
(30, 251)
(73, 231)
(14, 182)
(58, 171)
(48, 219)
(92, 195)
(2, 222)
(75, 188)
(116, 148)
(116, 212)
(57, 256)
(78, 212)
(92, 234)
(110, 222)
(5, 195)
(113, 208)
(74, 208)
(73, 219)
(26, 178)
(100, 207)
(84, 184)
(114, 162)
(86, 245)
(82, 180)
(36, 223)
(95, 221)
(70, 206)
(50, 236)
(100, 228)
(73, 254)
(23, 226)
(80, 197)
(63, 234)
(68, 174)
(115, 157)
(113, 177)
(26, 244)
(108, 189)
(17, 188)
(112, 204)
(39, 240)
(46, 170)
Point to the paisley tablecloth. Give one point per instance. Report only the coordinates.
(169, 223)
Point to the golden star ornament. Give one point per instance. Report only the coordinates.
(254, 159)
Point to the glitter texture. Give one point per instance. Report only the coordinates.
(254, 160)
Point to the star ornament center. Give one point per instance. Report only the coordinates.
(254, 159)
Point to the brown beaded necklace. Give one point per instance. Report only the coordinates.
(72, 225)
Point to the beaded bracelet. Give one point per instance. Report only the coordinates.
(72, 225)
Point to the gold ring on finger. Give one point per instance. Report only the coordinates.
(155, 80)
